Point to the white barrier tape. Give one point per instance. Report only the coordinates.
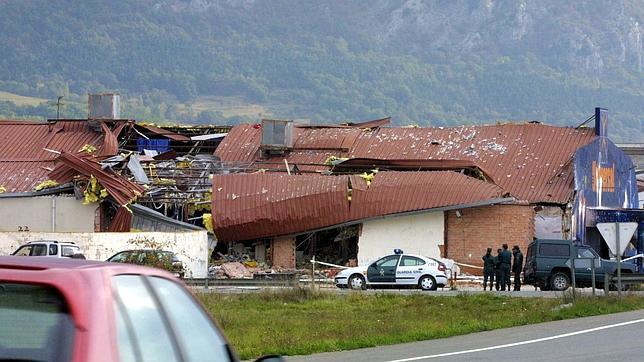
(469, 266)
(328, 264)
(634, 257)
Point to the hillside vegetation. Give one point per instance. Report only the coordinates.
(421, 62)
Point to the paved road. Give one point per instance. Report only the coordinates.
(613, 337)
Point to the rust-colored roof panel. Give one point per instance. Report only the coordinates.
(524, 159)
(164, 132)
(23, 176)
(528, 160)
(249, 206)
(23, 145)
(395, 192)
(241, 144)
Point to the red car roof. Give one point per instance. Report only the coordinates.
(86, 285)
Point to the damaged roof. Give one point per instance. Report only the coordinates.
(531, 161)
(250, 206)
(24, 157)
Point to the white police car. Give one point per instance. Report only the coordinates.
(398, 269)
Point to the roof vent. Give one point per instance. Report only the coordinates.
(104, 106)
(277, 136)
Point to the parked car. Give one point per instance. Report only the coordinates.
(162, 259)
(50, 248)
(548, 265)
(58, 309)
(398, 269)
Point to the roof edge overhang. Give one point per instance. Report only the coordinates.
(410, 165)
(496, 201)
(65, 188)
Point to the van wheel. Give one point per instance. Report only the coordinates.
(356, 282)
(427, 282)
(560, 282)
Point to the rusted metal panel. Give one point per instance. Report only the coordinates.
(531, 161)
(24, 160)
(528, 160)
(23, 176)
(119, 187)
(249, 206)
(396, 192)
(241, 144)
(163, 132)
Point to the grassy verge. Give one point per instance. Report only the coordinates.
(302, 322)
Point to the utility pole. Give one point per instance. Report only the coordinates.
(58, 104)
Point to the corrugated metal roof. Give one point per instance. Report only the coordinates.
(249, 206)
(531, 161)
(24, 162)
(395, 192)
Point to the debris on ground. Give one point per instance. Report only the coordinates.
(236, 270)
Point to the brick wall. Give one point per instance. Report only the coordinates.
(478, 228)
(283, 253)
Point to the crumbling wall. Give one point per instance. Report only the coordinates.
(421, 234)
(478, 228)
(548, 223)
(190, 247)
(46, 214)
(283, 253)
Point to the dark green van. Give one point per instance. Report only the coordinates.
(548, 265)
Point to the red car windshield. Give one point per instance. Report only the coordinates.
(34, 323)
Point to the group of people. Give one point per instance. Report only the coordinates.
(496, 268)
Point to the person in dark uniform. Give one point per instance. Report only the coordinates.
(517, 266)
(505, 259)
(488, 268)
(497, 269)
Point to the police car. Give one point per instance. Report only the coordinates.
(398, 269)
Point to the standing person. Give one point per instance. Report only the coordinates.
(497, 269)
(505, 259)
(488, 268)
(517, 266)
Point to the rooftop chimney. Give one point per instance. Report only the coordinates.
(104, 106)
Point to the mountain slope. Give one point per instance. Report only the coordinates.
(439, 62)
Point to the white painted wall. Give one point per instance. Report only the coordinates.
(39, 213)
(191, 247)
(415, 234)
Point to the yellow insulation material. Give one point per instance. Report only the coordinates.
(45, 185)
(94, 192)
(207, 222)
(88, 149)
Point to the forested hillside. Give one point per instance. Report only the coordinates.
(422, 62)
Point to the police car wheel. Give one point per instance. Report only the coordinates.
(427, 282)
(356, 282)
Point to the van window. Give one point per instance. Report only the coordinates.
(554, 250)
(530, 252)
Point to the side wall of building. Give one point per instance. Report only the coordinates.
(421, 234)
(190, 247)
(46, 214)
(478, 228)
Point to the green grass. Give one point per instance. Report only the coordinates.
(20, 100)
(301, 322)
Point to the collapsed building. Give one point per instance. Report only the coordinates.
(78, 180)
(281, 192)
(350, 193)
